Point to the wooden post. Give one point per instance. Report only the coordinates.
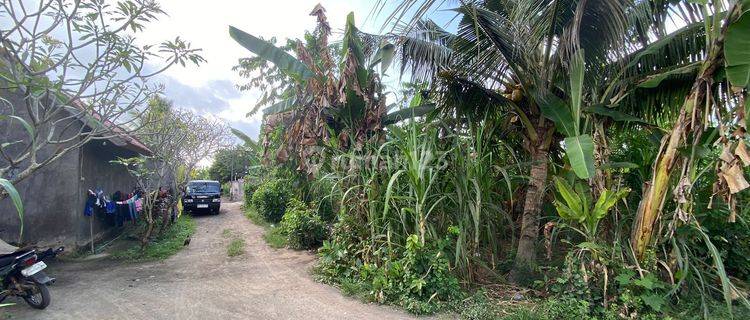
(91, 231)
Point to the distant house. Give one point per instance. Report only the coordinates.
(54, 196)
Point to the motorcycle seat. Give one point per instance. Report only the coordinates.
(7, 259)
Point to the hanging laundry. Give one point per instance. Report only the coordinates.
(111, 207)
(101, 198)
(138, 204)
(88, 209)
(120, 215)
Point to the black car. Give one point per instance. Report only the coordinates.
(202, 195)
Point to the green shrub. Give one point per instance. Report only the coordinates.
(303, 227)
(226, 188)
(249, 186)
(415, 276)
(270, 200)
(325, 210)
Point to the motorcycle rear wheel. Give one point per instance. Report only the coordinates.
(38, 297)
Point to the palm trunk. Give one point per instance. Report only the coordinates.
(526, 253)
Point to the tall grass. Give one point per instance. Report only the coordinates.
(433, 186)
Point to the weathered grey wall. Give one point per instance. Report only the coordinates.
(97, 171)
(49, 195)
(54, 196)
(51, 200)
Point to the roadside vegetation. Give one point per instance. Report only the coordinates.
(273, 233)
(163, 246)
(547, 160)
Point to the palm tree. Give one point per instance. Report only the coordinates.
(541, 55)
(657, 75)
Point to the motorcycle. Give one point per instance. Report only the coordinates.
(22, 276)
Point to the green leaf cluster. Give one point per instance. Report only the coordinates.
(576, 205)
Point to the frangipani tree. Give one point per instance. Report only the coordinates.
(179, 139)
(72, 71)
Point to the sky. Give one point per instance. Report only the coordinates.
(210, 88)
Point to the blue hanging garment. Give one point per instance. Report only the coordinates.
(88, 209)
(111, 207)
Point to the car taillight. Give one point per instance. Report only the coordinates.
(30, 261)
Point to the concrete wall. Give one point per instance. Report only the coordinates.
(52, 191)
(98, 172)
(237, 190)
(54, 196)
(51, 204)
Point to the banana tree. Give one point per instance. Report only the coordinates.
(681, 81)
(341, 102)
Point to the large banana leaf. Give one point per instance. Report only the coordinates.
(249, 142)
(557, 110)
(580, 151)
(279, 107)
(408, 113)
(352, 46)
(264, 49)
(737, 50)
(577, 68)
(572, 209)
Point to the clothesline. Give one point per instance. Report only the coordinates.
(98, 200)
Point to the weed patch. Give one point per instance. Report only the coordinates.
(236, 247)
(164, 246)
(226, 233)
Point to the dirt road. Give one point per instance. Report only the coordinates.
(201, 282)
